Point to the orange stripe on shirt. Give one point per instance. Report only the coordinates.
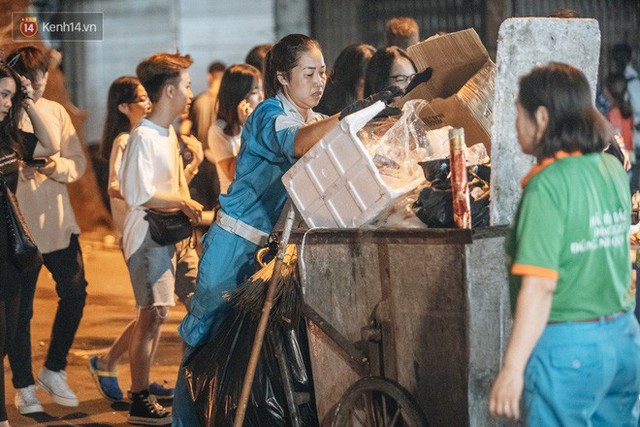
(546, 162)
(533, 270)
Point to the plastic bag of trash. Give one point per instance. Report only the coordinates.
(216, 372)
(434, 205)
(397, 151)
(400, 214)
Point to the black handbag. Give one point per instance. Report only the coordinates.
(168, 228)
(22, 250)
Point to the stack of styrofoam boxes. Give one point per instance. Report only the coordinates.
(336, 184)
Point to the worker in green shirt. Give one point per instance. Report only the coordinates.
(574, 353)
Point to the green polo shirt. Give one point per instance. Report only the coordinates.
(572, 225)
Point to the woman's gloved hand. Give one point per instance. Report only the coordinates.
(384, 95)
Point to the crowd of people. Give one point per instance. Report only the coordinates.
(218, 158)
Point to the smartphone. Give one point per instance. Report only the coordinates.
(36, 163)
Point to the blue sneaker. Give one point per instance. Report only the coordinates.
(107, 381)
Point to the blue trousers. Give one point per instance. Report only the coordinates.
(227, 261)
(585, 374)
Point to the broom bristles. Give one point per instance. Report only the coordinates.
(249, 297)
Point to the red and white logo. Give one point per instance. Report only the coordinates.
(29, 26)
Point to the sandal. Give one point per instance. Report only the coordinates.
(107, 381)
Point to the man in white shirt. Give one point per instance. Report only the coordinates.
(45, 205)
(152, 177)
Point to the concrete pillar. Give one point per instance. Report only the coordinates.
(291, 16)
(522, 44)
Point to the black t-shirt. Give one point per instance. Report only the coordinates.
(9, 167)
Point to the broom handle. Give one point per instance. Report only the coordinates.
(264, 319)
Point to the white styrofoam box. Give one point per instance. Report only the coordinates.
(335, 184)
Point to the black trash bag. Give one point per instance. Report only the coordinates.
(436, 171)
(482, 171)
(216, 371)
(480, 213)
(434, 206)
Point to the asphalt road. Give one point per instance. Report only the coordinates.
(110, 306)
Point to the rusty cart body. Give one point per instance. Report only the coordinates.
(426, 309)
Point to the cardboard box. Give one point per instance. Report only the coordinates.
(461, 89)
(337, 185)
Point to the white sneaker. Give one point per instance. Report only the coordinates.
(55, 383)
(26, 401)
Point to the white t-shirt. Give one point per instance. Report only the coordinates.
(151, 164)
(221, 146)
(119, 208)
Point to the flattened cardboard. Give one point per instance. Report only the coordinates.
(461, 88)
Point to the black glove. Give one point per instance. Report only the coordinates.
(384, 95)
(421, 77)
(388, 112)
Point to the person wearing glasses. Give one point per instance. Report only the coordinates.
(390, 66)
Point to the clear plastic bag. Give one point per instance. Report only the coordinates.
(397, 151)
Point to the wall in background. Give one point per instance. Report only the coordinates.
(207, 30)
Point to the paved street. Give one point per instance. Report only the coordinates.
(110, 306)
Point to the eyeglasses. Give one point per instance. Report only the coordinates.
(400, 78)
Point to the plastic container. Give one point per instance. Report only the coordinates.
(337, 185)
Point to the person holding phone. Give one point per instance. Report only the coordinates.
(16, 98)
(42, 191)
(240, 93)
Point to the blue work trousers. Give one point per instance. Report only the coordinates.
(585, 374)
(227, 261)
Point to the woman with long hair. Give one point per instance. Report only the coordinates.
(127, 104)
(240, 93)
(390, 66)
(346, 81)
(575, 346)
(16, 98)
(278, 132)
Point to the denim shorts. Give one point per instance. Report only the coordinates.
(152, 269)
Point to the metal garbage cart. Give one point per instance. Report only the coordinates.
(425, 309)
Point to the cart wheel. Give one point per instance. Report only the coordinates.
(377, 402)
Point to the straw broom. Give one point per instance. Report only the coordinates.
(278, 286)
(250, 296)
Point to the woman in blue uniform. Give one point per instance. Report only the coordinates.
(280, 130)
